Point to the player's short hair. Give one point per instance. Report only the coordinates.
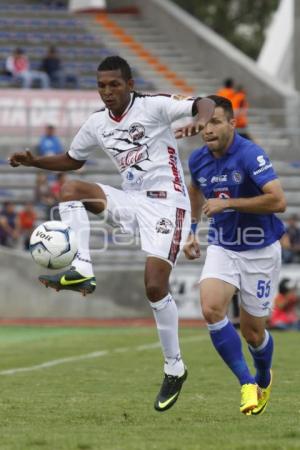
(116, 63)
(223, 102)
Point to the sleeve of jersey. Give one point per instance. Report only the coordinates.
(84, 143)
(175, 107)
(259, 166)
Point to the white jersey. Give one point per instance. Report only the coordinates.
(142, 145)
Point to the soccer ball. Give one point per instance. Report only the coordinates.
(53, 245)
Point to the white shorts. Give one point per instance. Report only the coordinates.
(163, 229)
(254, 272)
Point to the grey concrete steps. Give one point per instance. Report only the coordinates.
(289, 169)
(290, 183)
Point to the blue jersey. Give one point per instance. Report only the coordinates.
(240, 173)
(50, 145)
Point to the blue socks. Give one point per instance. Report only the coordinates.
(228, 344)
(262, 357)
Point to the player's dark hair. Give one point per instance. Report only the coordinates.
(223, 102)
(116, 63)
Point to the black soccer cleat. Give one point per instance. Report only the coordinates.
(169, 391)
(70, 280)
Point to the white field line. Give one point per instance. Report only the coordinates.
(56, 362)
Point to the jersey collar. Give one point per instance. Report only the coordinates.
(234, 145)
(119, 118)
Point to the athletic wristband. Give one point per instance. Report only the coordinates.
(194, 227)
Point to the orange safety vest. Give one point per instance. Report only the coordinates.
(228, 93)
(240, 107)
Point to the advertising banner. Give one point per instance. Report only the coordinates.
(23, 111)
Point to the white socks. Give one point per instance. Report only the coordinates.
(166, 316)
(74, 214)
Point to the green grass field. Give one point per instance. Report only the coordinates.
(104, 400)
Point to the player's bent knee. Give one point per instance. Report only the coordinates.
(212, 314)
(69, 191)
(253, 337)
(155, 292)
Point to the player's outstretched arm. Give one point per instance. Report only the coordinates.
(192, 247)
(206, 108)
(57, 163)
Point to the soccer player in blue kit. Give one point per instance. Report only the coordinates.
(234, 185)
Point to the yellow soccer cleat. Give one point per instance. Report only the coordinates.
(249, 398)
(263, 399)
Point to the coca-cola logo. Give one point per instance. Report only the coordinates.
(132, 157)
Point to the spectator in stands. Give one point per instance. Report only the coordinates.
(9, 225)
(228, 90)
(291, 243)
(240, 107)
(18, 67)
(284, 316)
(52, 66)
(27, 220)
(43, 197)
(49, 143)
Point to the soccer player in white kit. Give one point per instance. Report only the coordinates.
(135, 131)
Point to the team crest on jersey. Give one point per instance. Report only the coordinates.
(136, 131)
(164, 226)
(237, 177)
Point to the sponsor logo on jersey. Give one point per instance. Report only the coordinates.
(107, 134)
(132, 157)
(262, 169)
(177, 180)
(237, 177)
(157, 194)
(136, 131)
(222, 194)
(219, 178)
(261, 160)
(164, 226)
(202, 181)
(131, 177)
